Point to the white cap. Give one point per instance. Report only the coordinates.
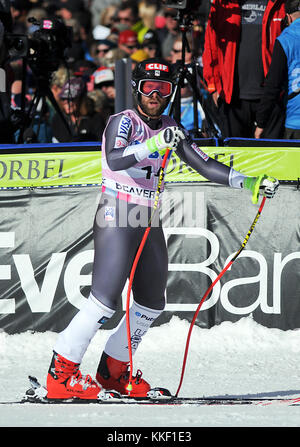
(103, 74)
(101, 32)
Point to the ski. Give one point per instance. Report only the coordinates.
(157, 396)
(175, 401)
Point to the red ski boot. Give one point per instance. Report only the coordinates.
(65, 381)
(113, 374)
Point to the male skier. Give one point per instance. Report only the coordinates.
(133, 147)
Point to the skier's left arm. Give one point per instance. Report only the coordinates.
(218, 172)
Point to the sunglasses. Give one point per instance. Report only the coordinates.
(123, 19)
(147, 88)
(176, 51)
(107, 84)
(131, 47)
(150, 47)
(102, 50)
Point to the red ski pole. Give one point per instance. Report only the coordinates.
(212, 286)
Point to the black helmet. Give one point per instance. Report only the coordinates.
(154, 68)
(157, 69)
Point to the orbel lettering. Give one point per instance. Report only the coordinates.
(32, 169)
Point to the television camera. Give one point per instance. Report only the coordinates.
(43, 50)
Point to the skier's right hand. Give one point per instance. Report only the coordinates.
(168, 138)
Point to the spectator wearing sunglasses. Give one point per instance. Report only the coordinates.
(128, 18)
(168, 34)
(100, 49)
(128, 13)
(104, 79)
(176, 52)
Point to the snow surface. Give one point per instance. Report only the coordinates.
(236, 359)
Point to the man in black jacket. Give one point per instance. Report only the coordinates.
(284, 75)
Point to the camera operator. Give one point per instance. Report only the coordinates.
(85, 122)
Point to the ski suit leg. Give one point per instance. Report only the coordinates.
(149, 300)
(151, 274)
(115, 250)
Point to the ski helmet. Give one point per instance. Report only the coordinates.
(154, 69)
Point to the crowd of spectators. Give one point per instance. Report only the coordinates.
(83, 85)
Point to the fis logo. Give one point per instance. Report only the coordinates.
(109, 213)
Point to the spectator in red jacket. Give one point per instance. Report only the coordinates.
(239, 41)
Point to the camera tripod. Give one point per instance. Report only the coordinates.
(42, 93)
(190, 75)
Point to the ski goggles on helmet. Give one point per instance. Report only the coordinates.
(148, 86)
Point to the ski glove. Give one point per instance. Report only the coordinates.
(263, 184)
(168, 138)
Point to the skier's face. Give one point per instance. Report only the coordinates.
(153, 105)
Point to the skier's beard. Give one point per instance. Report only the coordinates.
(153, 112)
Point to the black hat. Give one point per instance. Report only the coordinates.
(292, 6)
(150, 38)
(109, 43)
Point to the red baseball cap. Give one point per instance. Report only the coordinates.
(128, 37)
